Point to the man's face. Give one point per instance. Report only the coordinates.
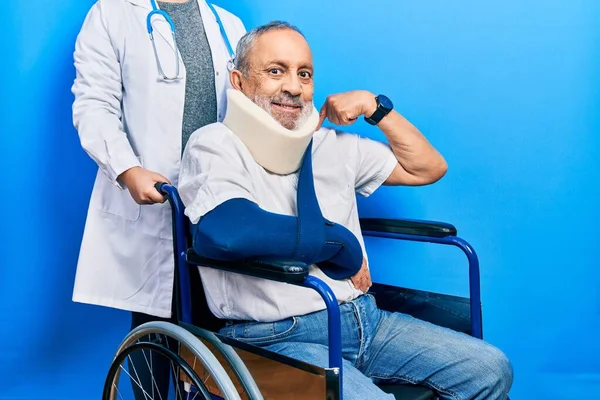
(280, 79)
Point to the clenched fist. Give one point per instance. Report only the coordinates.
(140, 183)
(344, 108)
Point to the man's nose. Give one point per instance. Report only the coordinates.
(292, 85)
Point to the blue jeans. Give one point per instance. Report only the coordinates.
(384, 347)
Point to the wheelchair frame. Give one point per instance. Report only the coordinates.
(297, 273)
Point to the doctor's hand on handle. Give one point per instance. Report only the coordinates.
(140, 183)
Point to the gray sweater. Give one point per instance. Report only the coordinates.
(200, 106)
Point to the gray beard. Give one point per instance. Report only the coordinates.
(293, 124)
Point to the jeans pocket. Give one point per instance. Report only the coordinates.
(263, 332)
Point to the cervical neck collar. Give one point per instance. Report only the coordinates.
(273, 147)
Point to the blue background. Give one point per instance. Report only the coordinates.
(508, 91)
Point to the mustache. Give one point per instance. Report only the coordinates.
(288, 99)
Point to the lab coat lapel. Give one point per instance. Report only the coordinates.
(213, 34)
(220, 55)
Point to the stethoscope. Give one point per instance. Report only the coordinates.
(167, 17)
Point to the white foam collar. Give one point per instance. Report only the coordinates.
(275, 148)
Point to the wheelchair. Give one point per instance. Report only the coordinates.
(206, 365)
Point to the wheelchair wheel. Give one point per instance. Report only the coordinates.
(149, 365)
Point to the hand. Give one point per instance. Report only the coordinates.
(344, 108)
(362, 280)
(140, 183)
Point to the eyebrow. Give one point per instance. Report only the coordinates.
(286, 65)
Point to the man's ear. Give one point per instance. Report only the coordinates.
(236, 79)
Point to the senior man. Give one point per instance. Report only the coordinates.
(226, 180)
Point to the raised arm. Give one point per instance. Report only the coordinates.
(419, 163)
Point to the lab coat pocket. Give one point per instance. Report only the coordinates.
(116, 201)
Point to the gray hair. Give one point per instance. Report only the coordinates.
(242, 52)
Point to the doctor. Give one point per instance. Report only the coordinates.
(148, 74)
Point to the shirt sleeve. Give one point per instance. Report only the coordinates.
(212, 172)
(371, 161)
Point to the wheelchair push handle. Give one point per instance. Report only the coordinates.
(170, 193)
(167, 191)
(159, 186)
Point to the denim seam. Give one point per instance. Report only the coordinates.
(360, 332)
(428, 383)
(366, 329)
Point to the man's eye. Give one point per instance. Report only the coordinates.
(305, 74)
(274, 71)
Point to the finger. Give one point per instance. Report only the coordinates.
(145, 200)
(342, 118)
(348, 118)
(155, 197)
(361, 283)
(158, 178)
(335, 117)
(322, 115)
(368, 277)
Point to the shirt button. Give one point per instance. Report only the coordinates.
(217, 73)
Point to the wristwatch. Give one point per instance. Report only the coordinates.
(384, 106)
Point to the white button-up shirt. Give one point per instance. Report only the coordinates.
(217, 167)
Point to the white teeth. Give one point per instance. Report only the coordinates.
(285, 106)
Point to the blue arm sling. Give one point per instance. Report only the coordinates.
(239, 229)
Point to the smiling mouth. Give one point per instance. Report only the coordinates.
(287, 107)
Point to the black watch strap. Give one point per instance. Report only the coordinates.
(379, 113)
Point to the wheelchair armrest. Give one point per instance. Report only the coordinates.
(408, 227)
(275, 270)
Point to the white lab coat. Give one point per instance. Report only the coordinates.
(126, 117)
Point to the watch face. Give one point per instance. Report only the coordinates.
(385, 102)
